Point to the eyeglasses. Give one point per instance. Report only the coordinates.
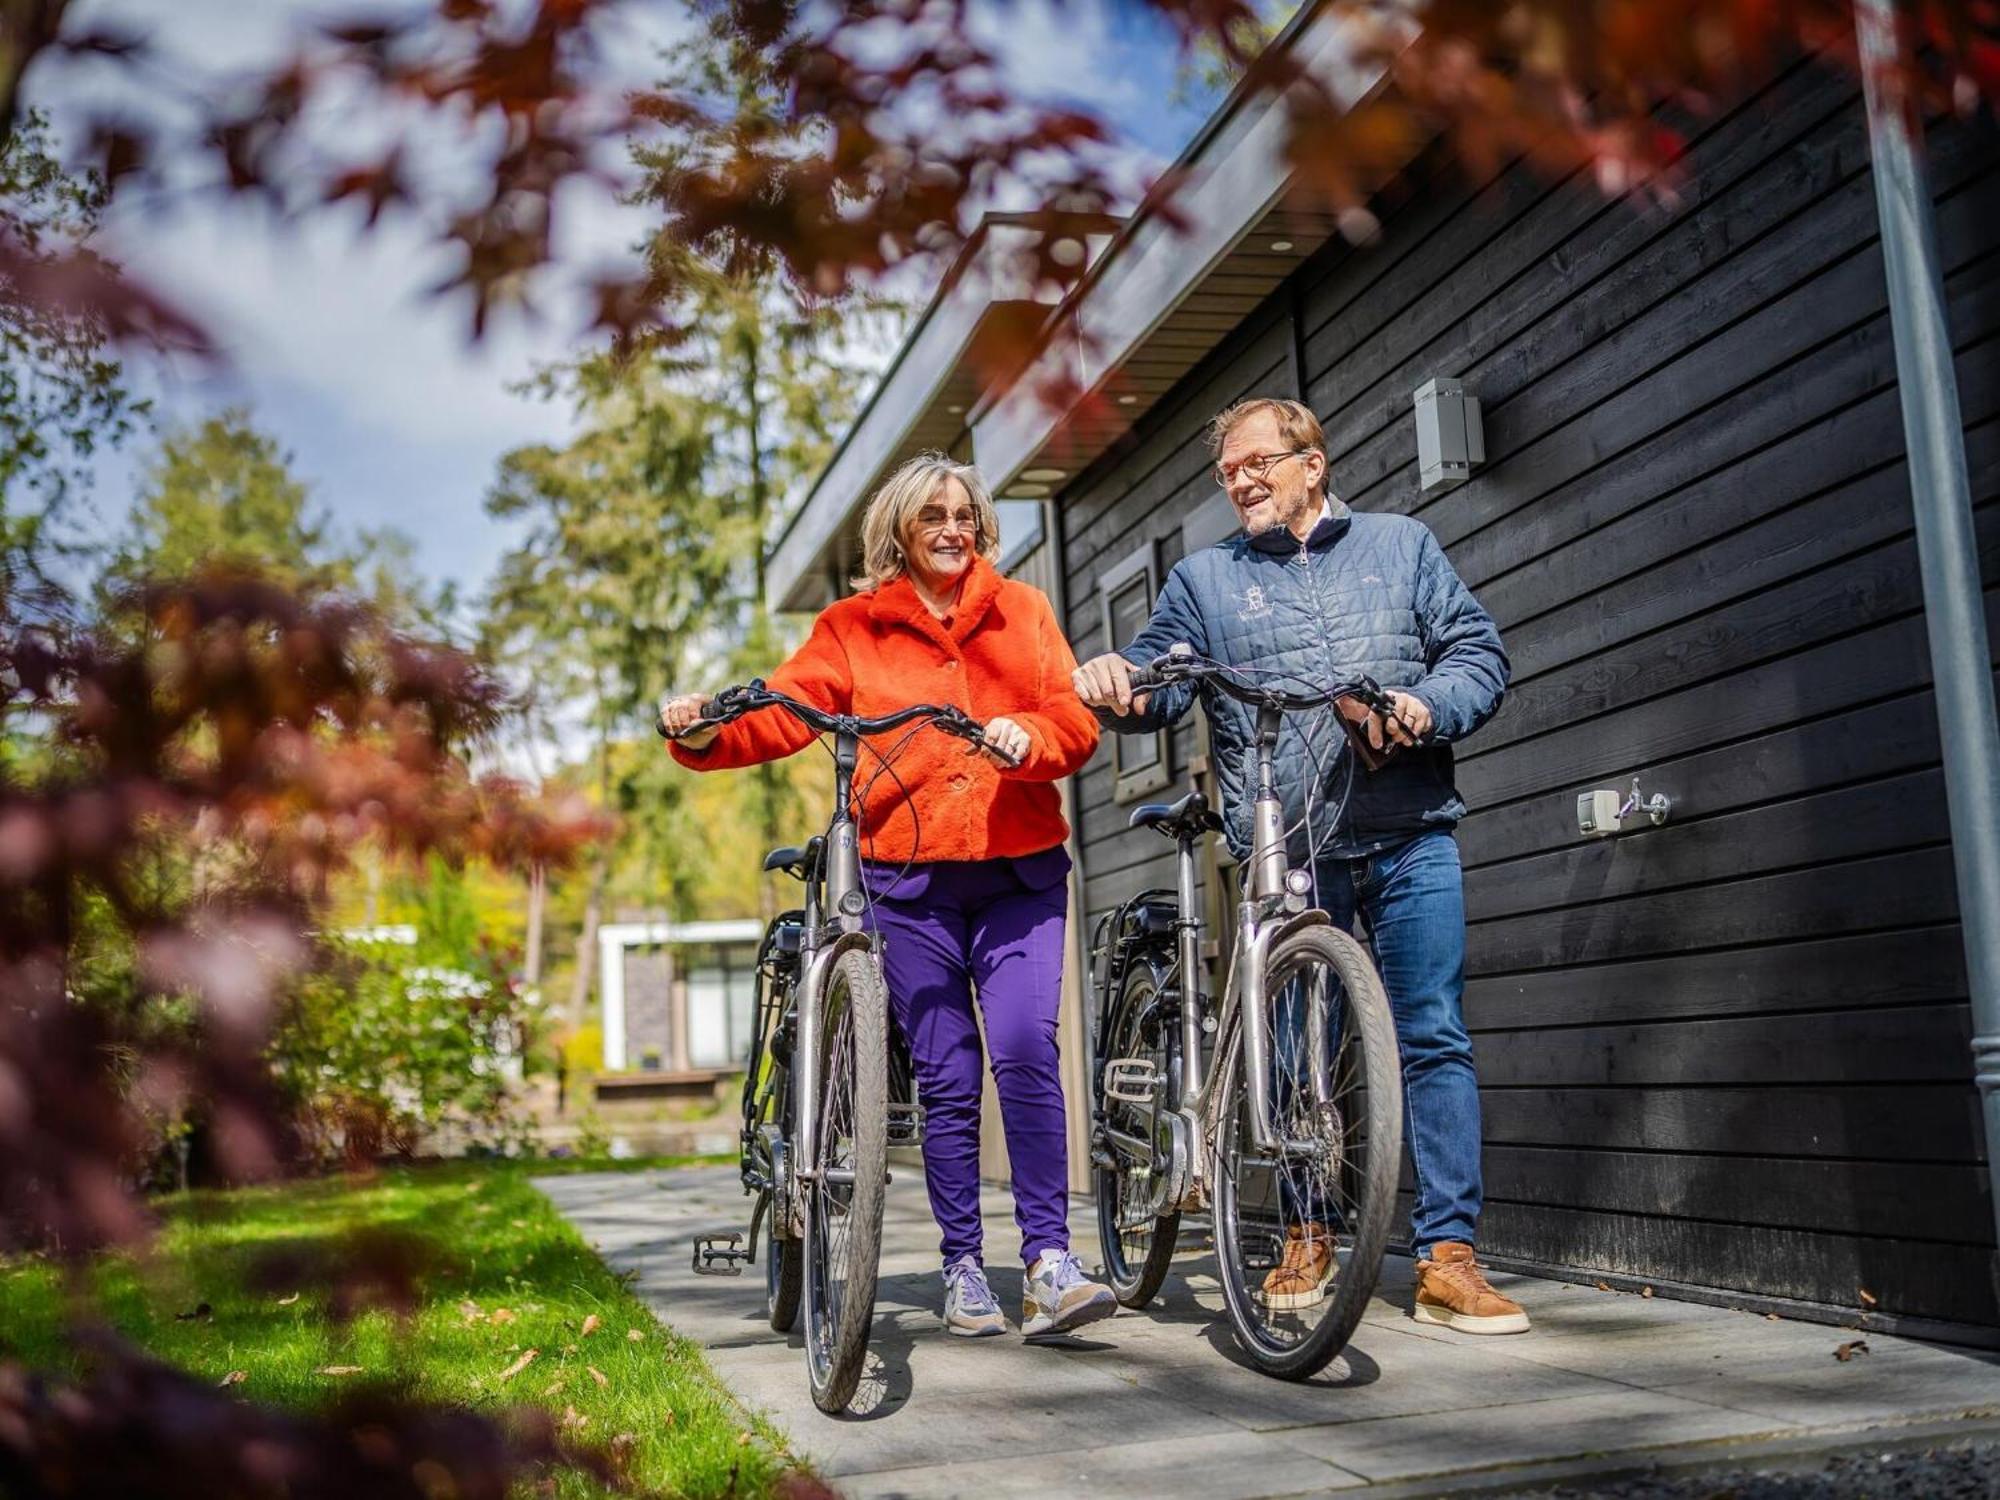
(1258, 467)
(932, 520)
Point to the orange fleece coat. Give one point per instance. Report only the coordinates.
(999, 654)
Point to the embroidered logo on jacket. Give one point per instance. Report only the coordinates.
(1255, 605)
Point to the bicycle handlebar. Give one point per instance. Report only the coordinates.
(733, 703)
(1182, 665)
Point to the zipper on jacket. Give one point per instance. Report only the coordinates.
(1326, 651)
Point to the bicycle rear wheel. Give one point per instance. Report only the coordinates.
(1137, 1239)
(1325, 1201)
(843, 1199)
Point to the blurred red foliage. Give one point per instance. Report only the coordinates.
(899, 127)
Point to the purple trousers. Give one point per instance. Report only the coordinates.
(994, 926)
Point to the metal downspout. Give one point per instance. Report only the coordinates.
(1947, 548)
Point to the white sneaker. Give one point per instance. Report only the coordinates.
(970, 1309)
(1060, 1297)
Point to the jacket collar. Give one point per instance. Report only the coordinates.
(1326, 531)
(897, 602)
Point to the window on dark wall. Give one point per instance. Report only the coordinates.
(1126, 592)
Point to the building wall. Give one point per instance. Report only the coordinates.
(1732, 1052)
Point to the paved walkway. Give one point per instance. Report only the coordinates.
(1153, 1403)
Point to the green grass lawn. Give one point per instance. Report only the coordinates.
(510, 1277)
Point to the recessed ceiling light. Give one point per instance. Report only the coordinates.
(1026, 492)
(956, 411)
(1281, 246)
(1128, 400)
(1044, 476)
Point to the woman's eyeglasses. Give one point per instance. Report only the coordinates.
(1258, 467)
(932, 521)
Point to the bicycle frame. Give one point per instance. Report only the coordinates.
(824, 939)
(1271, 910)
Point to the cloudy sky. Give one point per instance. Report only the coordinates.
(391, 412)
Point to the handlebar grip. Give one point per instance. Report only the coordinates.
(1147, 678)
(712, 711)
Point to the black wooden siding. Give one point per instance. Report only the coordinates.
(1732, 1052)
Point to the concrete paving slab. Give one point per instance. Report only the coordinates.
(1561, 1427)
(1241, 1466)
(1160, 1402)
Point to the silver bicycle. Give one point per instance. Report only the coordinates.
(1292, 1138)
(827, 1089)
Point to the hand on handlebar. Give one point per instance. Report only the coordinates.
(1106, 682)
(1005, 745)
(681, 719)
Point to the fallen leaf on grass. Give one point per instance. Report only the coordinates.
(742, 1439)
(288, 1301)
(1645, 1291)
(573, 1420)
(200, 1314)
(1602, 1286)
(1849, 1349)
(1867, 1297)
(339, 1370)
(598, 1376)
(590, 1326)
(527, 1358)
(634, 1334)
(503, 1315)
(555, 1387)
(621, 1450)
(234, 1377)
(471, 1313)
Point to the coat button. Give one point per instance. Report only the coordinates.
(951, 666)
(960, 783)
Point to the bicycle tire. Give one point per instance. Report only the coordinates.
(1125, 1036)
(1369, 1022)
(853, 1138)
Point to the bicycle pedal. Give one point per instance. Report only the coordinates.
(1132, 1080)
(719, 1254)
(906, 1124)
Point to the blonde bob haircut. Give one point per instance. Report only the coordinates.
(894, 508)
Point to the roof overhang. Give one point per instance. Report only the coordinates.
(1171, 288)
(1176, 280)
(976, 331)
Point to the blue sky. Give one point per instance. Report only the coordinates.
(390, 411)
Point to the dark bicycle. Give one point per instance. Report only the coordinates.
(1296, 1134)
(828, 1088)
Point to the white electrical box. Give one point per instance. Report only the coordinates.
(1451, 441)
(1597, 813)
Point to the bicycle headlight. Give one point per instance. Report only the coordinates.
(1298, 882)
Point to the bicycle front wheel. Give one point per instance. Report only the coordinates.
(843, 1237)
(1300, 1228)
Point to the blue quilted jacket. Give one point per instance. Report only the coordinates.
(1366, 593)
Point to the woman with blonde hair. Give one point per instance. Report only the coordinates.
(963, 855)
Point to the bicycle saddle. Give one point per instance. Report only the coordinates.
(796, 859)
(1188, 818)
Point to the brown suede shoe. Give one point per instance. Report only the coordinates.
(1453, 1292)
(1300, 1278)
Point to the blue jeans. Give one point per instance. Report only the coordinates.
(1411, 901)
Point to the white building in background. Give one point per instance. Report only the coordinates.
(677, 997)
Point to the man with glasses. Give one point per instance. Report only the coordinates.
(1317, 592)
